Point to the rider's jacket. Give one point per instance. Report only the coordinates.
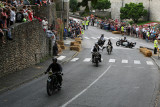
(55, 67)
(95, 49)
(110, 43)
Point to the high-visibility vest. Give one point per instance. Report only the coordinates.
(82, 31)
(155, 43)
(148, 34)
(87, 22)
(83, 23)
(122, 28)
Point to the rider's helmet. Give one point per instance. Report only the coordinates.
(54, 60)
(96, 44)
(102, 35)
(124, 38)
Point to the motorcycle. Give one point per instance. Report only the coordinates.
(109, 49)
(125, 43)
(96, 58)
(101, 43)
(52, 82)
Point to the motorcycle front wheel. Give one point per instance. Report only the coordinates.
(49, 88)
(117, 43)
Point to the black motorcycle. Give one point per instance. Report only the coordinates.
(121, 42)
(109, 49)
(96, 58)
(52, 82)
(101, 43)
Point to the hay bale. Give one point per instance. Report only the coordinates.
(62, 46)
(73, 43)
(76, 48)
(146, 52)
(79, 41)
(60, 42)
(116, 32)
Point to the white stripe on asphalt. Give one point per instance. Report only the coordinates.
(74, 59)
(86, 37)
(112, 38)
(137, 62)
(106, 38)
(87, 60)
(61, 57)
(93, 38)
(75, 97)
(112, 60)
(149, 62)
(124, 61)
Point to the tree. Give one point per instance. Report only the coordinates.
(101, 4)
(73, 5)
(133, 11)
(84, 3)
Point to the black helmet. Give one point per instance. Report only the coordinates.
(102, 34)
(54, 59)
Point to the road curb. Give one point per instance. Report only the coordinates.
(155, 62)
(34, 77)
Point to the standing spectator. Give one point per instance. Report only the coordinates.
(137, 32)
(45, 24)
(2, 35)
(65, 33)
(122, 30)
(12, 16)
(155, 46)
(87, 23)
(19, 16)
(55, 49)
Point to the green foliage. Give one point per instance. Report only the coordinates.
(101, 4)
(133, 11)
(73, 4)
(84, 3)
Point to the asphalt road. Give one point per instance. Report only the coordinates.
(124, 79)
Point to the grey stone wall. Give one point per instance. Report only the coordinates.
(30, 43)
(151, 5)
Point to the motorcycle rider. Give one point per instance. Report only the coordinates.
(110, 43)
(125, 42)
(96, 48)
(101, 40)
(56, 68)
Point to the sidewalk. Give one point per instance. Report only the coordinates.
(18, 78)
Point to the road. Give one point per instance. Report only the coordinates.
(124, 79)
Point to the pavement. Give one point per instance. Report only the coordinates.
(18, 78)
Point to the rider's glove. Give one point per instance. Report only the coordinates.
(45, 72)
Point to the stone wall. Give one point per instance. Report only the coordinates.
(48, 11)
(151, 5)
(30, 43)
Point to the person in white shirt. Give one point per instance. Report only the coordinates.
(137, 31)
(45, 24)
(12, 16)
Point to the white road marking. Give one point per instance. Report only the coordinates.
(86, 37)
(137, 62)
(149, 62)
(61, 57)
(112, 38)
(86, 59)
(74, 59)
(93, 38)
(75, 97)
(112, 60)
(106, 38)
(124, 61)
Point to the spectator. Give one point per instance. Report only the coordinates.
(45, 24)
(19, 16)
(12, 15)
